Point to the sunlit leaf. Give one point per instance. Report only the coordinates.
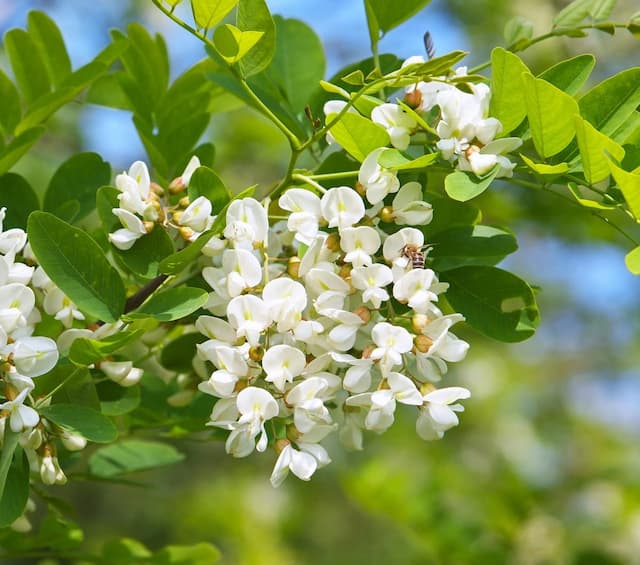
(358, 135)
(81, 420)
(594, 148)
(507, 103)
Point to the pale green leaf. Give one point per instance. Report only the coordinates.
(172, 304)
(254, 15)
(358, 135)
(629, 184)
(546, 170)
(632, 261)
(463, 186)
(507, 103)
(594, 148)
(569, 75)
(207, 13)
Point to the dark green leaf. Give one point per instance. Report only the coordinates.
(10, 110)
(178, 354)
(47, 37)
(87, 351)
(12, 153)
(463, 186)
(470, 245)
(569, 75)
(448, 213)
(130, 456)
(77, 265)
(116, 400)
(14, 496)
(494, 302)
(204, 182)
(19, 198)
(81, 420)
(254, 15)
(72, 385)
(172, 304)
(389, 15)
(9, 444)
(147, 253)
(27, 64)
(78, 178)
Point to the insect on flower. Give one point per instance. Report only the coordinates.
(415, 254)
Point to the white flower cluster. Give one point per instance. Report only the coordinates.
(466, 133)
(326, 324)
(141, 207)
(24, 356)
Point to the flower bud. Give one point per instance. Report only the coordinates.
(423, 343)
(73, 442)
(50, 471)
(387, 215)
(148, 226)
(31, 439)
(293, 267)
(413, 99)
(280, 445)
(186, 233)
(156, 188)
(256, 353)
(176, 217)
(184, 202)
(121, 372)
(363, 313)
(345, 272)
(418, 322)
(333, 242)
(177, 185)
(360, 188)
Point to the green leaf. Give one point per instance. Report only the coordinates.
(116, 400)
(517, 31)
(13, 152)
(19, 198)
(10, 110)
(550, 112)
(573, 14)
(396, 161)
(130, 456)
(449, 213)
(569, 75)
(470, 245)
(254, 15)
(125, 551)
(47, 37)
(172, 304)
(594, 148)
(629, 184)
(75, 262)
(632, 261)
(147, 253)
(27, 64)
(389, 15)
(359, 136)
(507, 103)
(207, 13)
(16, 492)
(297, 77)
(9, 445)
(198, 554)
(87, 351)
(463, 186)
(85, 421)
(178, 354)
(233, 44)
(609, 105)
(205, 182)
(544, 169)
(495, 302)
(587, 203)
(78, 178)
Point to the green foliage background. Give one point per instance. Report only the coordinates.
(544, 467)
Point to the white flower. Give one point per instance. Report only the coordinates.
(409, 207)
(397, 123)
(133, 229)
(444, 347)
(320, 281)
(243, 270)
(438, 413)
(377, 180)
(16, 304)
(59, 305)
(343, 336)
(305, 213)
(394, 246)
(371, 280)
(392, 342)
(307, 399)
(247, 223)
(342, 207)
(197, 216)
(255, 406)
(359, 244)
(249, 316)
(50, 471)
(231, 368)
(335, 107)
(34, 356)
(357, 378)
(21, 417)
(303, 463)
(191, 167)
(318, 255)
(285, 299)
(216, 329)
(282, 363)
(12, 241)
(135, 188)
(121, 372)
(482, 160)
(418, 288)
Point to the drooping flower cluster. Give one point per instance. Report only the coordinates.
(325, 324)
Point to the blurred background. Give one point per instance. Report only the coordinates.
(545, 466)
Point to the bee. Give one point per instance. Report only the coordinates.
(415, 254)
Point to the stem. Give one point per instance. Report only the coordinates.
(331, 176)
(145, 292)
(309, 181)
